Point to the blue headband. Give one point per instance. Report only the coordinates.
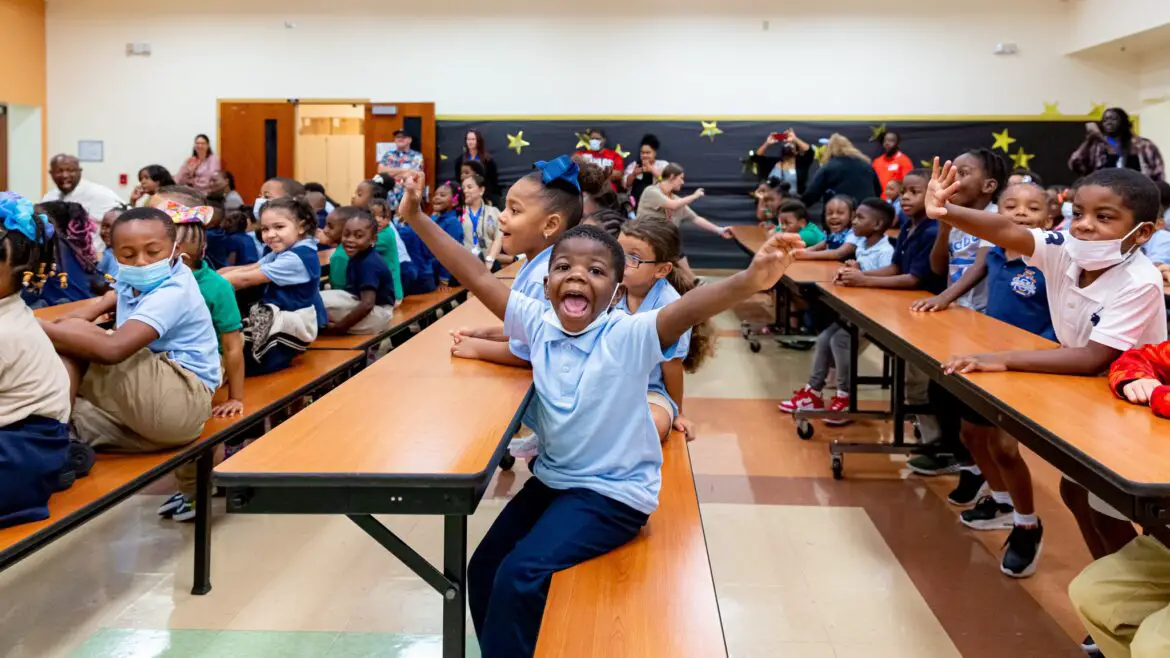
(18, 215)
(562, 168)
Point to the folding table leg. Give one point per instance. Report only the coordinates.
(455, 598)
(202, 579)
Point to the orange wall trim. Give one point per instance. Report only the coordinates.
(23, 51)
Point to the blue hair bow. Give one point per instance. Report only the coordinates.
(18, 214)
(562, 168)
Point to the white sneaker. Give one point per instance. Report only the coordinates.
(525, 447)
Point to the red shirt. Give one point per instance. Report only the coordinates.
(607, 159)
(894, 168)
(1145, 362)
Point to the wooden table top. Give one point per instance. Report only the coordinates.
(509, 271)
(812, 271)
(417, 411)
(751, 238)
(50, 313)
(323, 256)
(1123, 438)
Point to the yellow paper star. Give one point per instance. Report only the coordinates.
(1003, 140)
(1021, 159)
(516, 142)
(818, 152)
(926, 164)
(1098, 111)
(877, 132)
(619, 151)
(582, 141)
(710, 129)
(1052, 109)
(442, 156)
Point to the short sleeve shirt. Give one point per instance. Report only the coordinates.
(529, 281)
(284, 268)
(220, 298)
(367, 271)
(33, 381)
(963, 249)
(874, 257)
(1122, 309)
(912, 254)
(395, 159)
(651, 205)
(1017, 294)
(661, 294)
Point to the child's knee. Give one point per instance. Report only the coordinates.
(1004, 448)
(517, 573)
(662, 420)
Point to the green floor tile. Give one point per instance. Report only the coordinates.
(391, 645)
(145, 643)
(277, 644)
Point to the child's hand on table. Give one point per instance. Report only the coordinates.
(228, 409)
(464, 347)
(974, 363)
(849, 276)
(684, 425)
(1139, 391)
(929, 304)
(942, 186)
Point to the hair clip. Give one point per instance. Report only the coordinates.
(63, 280)
(561, 168)
(26, 279)
(181, 214)
(17, 214)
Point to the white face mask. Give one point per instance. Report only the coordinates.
(258, 206)
(1066, 210)
(1098, 254)
(595, 145)
(601, 318)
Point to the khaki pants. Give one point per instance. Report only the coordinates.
(339, 303)
(1124, 600)
(146, 403)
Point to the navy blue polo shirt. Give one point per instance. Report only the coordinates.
(1017, 295)
(912, 254)
(367, 271)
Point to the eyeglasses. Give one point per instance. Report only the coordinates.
(633, 261)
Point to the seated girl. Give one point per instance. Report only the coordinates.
(840, 244)
(72, 272)
(151, 179)
(286, 319)
(362, 301)
(34, 387)
(446, 213)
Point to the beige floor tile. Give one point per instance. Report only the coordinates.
(908, 648)
(784, 650)
(747, 550)
(737, 372)
(877, 617)
(755, 618)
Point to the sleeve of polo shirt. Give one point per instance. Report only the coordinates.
(522, 318)
(1126, 315)
(225, 312)
(684, 214)
(284, 269)
(635, 341)
(164, 307)
(652, 199)
(1048, 251)
(919, 259)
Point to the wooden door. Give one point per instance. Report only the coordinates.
(3, 147)
(256, 142)
(418, 119)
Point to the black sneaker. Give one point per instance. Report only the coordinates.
(1023, 551)
(933, 464)
(65, 478)
(1089, 646)
(987, 515)
(81, 458)
(971, 486)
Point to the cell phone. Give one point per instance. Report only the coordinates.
(780, 137)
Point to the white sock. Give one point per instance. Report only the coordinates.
(1002, 497)
(972, 469)
(1027, 520)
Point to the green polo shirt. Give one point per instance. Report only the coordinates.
(220, 298)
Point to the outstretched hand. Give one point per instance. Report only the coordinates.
(773, 258)
(412, 186)
(942, 186)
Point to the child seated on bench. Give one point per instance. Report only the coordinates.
(600, 469)
(71, 273)
(447, 213)
(1142, 376)
(841, 243)
(371, 196)
(794, 219)
(34, 387)
(290, 312)
(107, 261)
(147, 386)
(362, 301)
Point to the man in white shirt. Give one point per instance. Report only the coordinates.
(65, 170)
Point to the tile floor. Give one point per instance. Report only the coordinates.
(872, 566)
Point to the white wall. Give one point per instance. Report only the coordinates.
(684, 57)
(25, 170)
(1097, 22)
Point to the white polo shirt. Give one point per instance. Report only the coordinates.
(1123, 309)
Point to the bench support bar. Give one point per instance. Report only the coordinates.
(202, 577)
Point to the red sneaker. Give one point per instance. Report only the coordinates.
(804, 399)
(839, 403)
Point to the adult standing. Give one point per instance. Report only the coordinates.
(603, 156)
(200, 167)
(892, 164)
(844, 170)
(475, 150)
(646, 171)
(397, 162)
(662, 201)
(65, 170)
(796, 159)
(1111, 143)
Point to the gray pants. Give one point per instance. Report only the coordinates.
(832, 349)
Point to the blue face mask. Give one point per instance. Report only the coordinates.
(145, 278)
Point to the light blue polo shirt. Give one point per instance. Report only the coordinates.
(286, 268)
(529, 281)
(177, 312)
(661, 294)
(590, 408)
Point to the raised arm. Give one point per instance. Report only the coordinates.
(706, 301)
(675, 203)
(988, 226)
(462, 264)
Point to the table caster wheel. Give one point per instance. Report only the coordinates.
(804, 429)
(746, 332)
(755, 346)
(507, 462)
(838, 467)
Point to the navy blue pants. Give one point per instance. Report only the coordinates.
(32, 453)
(540, 532)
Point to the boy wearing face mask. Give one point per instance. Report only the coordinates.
(606, 158)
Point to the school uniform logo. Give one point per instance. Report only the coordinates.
(1095, 317)
(1024, 284)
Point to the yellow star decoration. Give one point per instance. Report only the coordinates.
(710, 129)
(443, 157)
(582, 141)
(1051, 109)
(1021, 159)
(877, 132)
(619, 151)
(819, 152)
(1098, 111)
(516, 142)
(1003, 141)
(926, 164)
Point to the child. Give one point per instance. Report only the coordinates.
(840, 244)
(290, 311)
(893, 191)
(365, 303)
(599, 471)
(794, 219)
(1158, 248)
(389, 247)
(230, 243)
(964, 257)
(371, 196)
(151, 179)
(72, 274)
(1142, 375)
(1124, 600)
(108, 264)
(652, 246)
(446, 213)
(34, 387)
(874, 252)
(146, 386)
(1104, 295)
(609, 221)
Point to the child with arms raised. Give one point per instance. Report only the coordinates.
(600, 466)
(362, 300)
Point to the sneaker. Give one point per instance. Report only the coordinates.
(839, 404)
(81, 458)
(186, 511)
(987, 515)
(65, 478)
(804, 399)
(971, 486)
(524, 447)
(1089, 645)
(1023, 551)
(173, 503)
(930, 465)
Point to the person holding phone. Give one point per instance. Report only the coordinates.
(646, 170)
(1111, 143)
(795, 159)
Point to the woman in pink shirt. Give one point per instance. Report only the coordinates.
(200, 167)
